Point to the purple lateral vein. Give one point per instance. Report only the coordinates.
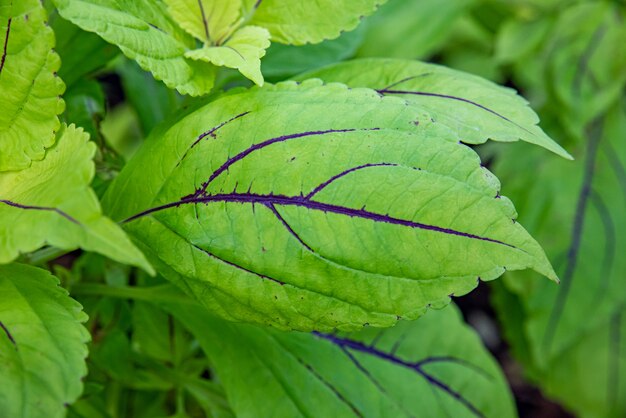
(460, 99)
(371, 378)
(344, 173)
(6, 43)
(454, 360)
(288, 227)
(302, 201)
(211, 132)
(577, 229)
(204, 21)
(346, 344)
(262, 145)
(9, 336)
(210, 254)
(43, 208)
(404, 80)
(332, 388)
(257, 4)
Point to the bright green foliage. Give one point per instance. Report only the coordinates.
(160, 35)
(475, 109)
(243, 51)
(215, 23)
(42, 344)
(433, 367)
(51, 203)
(410, 28)
(346, 209)
(30, 90)
(586, 203)
(299, 22)
(144, 32)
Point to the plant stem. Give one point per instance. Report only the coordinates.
(153, 294)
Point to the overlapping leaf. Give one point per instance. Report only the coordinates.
(31, 91)
(315, 207)
(578, 211)
(42, 344)
(433, 367)
(146, 33)
(51, 203)
(475, 109)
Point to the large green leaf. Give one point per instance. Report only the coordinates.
(144, 32)
(475, 109)
(42, 344)
(413, 369)
(315, 207)
(299, 22)
(31, 91)
(579, 212)
(51, 203)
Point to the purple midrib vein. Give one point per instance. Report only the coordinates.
(6, 43)
(302, 201)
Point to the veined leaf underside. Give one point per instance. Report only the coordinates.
(352, 348)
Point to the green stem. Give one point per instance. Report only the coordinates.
(154, 294)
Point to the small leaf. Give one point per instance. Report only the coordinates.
(435, 367)
(315, 207)
(210, 21)
(31, 91)
(243, 51)
(303, 21)
(42, 344)
(475, 109)
(51, 203)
